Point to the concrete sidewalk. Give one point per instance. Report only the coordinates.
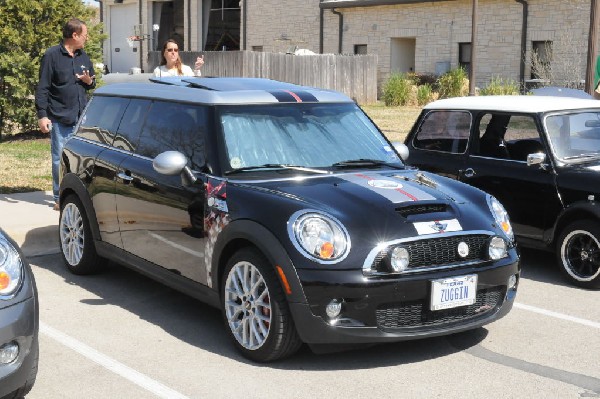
(29, 219)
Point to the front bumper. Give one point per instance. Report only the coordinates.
(17, 323)
(387, 309)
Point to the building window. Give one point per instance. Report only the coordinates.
(464, 57)
(224, 26)
(360, 49)
(541, 58)
(257, 48)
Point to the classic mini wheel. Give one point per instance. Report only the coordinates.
(255, 310)
(579, 253)
(76, 240)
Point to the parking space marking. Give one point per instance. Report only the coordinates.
(557, 315)
(107, 362)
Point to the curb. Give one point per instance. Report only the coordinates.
(28, 218)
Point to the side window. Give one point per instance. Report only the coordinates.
(178, 127)
(446, 131)
(101, 118)
(509, 137)
(131, 125)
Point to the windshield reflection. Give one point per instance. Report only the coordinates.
(303, 135)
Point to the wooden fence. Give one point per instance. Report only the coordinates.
(353, 75)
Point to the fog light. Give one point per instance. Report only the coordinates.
(512, 282)
(497, 248)
(9, 352)
(333, 309)
(399, 259)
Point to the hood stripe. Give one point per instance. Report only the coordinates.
(393, 194)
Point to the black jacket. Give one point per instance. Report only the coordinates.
(60, 96)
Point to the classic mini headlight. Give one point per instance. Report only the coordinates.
(497, 248)
(11, 269)
(320, 236)
(501, 217)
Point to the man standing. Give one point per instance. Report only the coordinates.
(66, 73)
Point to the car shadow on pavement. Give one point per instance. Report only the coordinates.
(541, 266)
(201, 325)
(27, 194)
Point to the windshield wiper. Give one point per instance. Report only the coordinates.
(275, 166)
(353, 163)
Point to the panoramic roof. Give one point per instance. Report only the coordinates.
(223, 91)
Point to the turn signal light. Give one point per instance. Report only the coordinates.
(326, 251)
(4, 280)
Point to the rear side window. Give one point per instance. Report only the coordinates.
(446, 131)
(178, 127)
(101, 118)
(131, 125)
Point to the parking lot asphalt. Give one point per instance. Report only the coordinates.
(30, 220)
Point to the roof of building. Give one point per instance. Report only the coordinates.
(514, 103)
(223, 91)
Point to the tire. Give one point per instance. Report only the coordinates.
(578, 253)
(255, 310)
(76, 241)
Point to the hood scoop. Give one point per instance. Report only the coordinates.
(421, 209)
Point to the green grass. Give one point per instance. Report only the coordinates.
(25, 162)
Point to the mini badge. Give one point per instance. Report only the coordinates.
(437, 226)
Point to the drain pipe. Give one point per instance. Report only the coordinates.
(340, 29)
(244, 23)
(321, 18)
(523, 42)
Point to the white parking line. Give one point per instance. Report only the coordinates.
(120, 369)
(562, 316)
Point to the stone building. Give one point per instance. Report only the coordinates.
(517, 40)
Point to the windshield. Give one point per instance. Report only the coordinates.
(574, 136)
(302, 135)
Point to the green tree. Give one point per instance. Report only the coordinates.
(27, 29)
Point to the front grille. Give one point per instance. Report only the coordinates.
(418, 314)
(437, 251)
(421, 209)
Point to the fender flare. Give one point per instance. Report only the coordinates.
(70, 183)
(575, 211)
(245, 232)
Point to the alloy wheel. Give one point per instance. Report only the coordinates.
(72, 234)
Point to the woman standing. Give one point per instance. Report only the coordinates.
(171, 65)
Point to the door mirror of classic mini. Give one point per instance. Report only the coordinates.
(536, 159)
(402, 149)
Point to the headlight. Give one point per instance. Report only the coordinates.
(501, 217)
(11, 269)
(319, 236)
(497, 248)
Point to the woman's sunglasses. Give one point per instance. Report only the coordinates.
(170, 50)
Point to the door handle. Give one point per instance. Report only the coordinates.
(125, 177)
(469, 172)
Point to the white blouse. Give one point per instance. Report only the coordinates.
(162, 70)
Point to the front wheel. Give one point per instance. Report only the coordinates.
(76, 241)
(255, 310)
(578, 253)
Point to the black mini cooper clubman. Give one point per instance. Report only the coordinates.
(285, 207)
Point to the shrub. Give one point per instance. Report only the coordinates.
(397, 90)
(499, 86)
(424, 94)
(454, 83)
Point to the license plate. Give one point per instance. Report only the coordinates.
(453, 292)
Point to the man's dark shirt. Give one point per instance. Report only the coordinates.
(60, 96)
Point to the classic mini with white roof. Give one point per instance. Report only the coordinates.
(285, 207)
(540, 156)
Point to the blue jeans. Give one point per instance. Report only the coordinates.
(58, 136)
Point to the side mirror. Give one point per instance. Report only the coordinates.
(169, 163)
(536, 159)
(402, 149)
(173, 163)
